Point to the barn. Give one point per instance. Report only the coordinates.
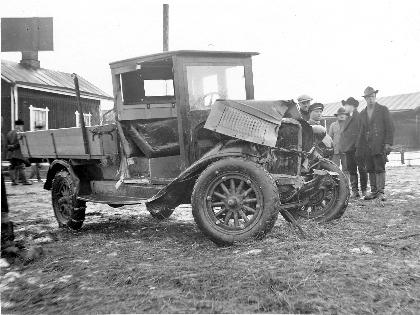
(405, 112)
(45, 98)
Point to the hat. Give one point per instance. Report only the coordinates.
(351, 101)
(19, 122)
(369, 91)
(304, 97)
(340, 111)
(316, 106)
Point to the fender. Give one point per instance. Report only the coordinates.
(179, 190)
(55, 167)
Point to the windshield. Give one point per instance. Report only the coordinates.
(206, 84)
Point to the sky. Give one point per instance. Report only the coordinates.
(328, 49)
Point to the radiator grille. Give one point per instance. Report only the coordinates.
(241, 125)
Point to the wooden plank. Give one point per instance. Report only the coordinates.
(67, 142)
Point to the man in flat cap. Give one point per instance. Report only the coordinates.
(14, 155)
(335, 134)
(375, 142)
(348, 141)
(304, 102)
(315, 113)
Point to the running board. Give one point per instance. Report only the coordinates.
(107, 191)
(111, 200)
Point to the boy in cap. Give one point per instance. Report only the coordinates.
(348, 141)
(335, 134)
(304, 103)
(375, 142)
(315, 113)
(14, 155)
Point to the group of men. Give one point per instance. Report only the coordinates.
(361, 141)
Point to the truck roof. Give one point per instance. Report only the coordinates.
(170, 54)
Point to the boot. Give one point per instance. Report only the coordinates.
(354, 182)
(12, 175)
(373, 189)
(363, 182)
(22, 176)
(380, 183)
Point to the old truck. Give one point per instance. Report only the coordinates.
(188, 131)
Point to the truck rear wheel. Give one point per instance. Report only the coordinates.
(235, 199)
(68, 211)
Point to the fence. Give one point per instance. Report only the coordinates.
(401, 156)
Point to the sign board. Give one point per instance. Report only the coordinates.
(27, 34)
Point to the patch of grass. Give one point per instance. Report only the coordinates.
(366, 262)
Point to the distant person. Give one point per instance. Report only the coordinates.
(304, 102)
(339, 158)
(14, 155)
(7, 235)
(355, 166)
(315, 113)
(375, 142)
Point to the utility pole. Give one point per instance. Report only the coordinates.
(165, 27)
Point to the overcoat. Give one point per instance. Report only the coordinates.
(13, 147)
(350, 132)
(375, 132)
(335, 133)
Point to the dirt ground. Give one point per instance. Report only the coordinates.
(124, 261)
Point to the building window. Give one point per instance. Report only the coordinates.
(38, 118)
(87, 117)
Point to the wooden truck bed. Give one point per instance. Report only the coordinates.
(68, 143)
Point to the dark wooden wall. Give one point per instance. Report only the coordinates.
(5, 107)
(62, 107)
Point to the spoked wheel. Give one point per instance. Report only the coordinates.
(330, 202)
(234, 199)
(68, 211)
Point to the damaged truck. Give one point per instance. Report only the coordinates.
(188, 131)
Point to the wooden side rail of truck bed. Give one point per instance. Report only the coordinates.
(67, 143)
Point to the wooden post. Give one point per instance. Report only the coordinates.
(81, 116)
(402, 154)
(165, 27)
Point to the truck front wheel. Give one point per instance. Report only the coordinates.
(235, 199)
(68, 211)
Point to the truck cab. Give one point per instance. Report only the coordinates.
(162, 102)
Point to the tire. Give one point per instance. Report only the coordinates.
(335, 206)
(250, 201)
(68, 211)
(159, 210)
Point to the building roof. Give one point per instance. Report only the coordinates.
(170, 54)
(395, 103)
(50, 80)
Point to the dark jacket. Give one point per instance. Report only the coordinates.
(304, 114)
(3, 147)
(376, 132)
(350, 133)
(13, 147)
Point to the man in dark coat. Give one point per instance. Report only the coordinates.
(14, 155)
(304, 103)
(375, 142)
(349, 135)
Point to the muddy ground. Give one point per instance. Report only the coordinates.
(124, 261)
